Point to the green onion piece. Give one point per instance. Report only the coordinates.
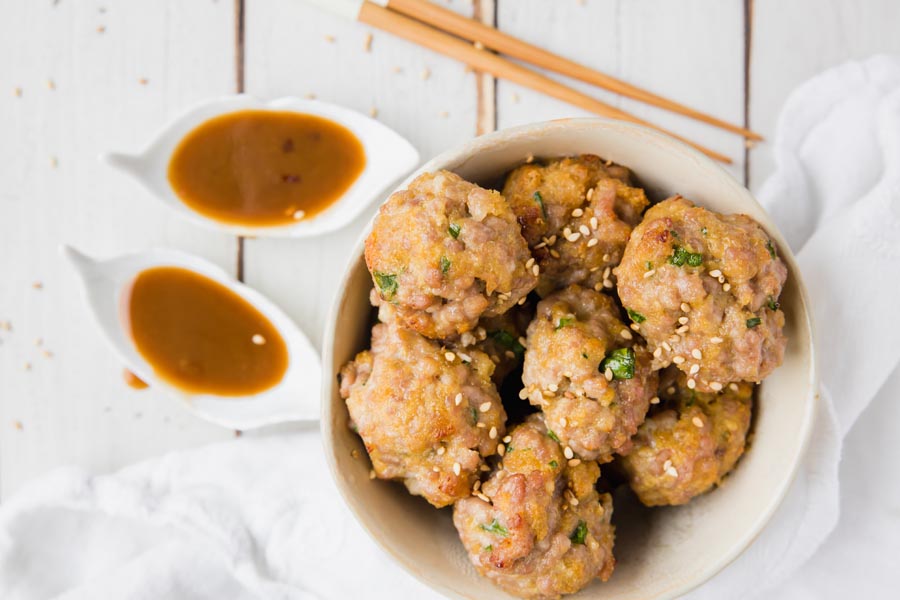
(584, 355)
(695, 259)
(772, 303)
(580, 533)
(453, 230)
(751, 323)
(553, 436)
(540, 200)
(771, 249)
(509, 448)
(386, 283)
(553, 464)
(636, 316)
(495, 527)
(620, 362)
(649, 265)
(563, 322)
(445, 264)
(508, 341)
(474, 412)
(679, 256)
(703, 230)
(489, 548)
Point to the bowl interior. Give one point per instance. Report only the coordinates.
(661, 553)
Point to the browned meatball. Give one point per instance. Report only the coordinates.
(538, 528)
(703, 290)
(427, 416)
(587, 372)
(446, 252)
(576, 214)
(690, 444)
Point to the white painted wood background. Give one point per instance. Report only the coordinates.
(79, 77)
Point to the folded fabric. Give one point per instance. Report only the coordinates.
(260, 517)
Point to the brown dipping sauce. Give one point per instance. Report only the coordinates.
(260, 167)
(201, 337)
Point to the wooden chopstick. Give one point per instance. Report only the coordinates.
(474, 31)
(482, 60)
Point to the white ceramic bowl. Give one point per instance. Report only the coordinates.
(661, 553)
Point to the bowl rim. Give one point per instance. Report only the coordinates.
(460, 154)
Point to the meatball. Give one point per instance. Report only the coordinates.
(703, 289)
(427, 416)
(588, 373)
(690, 444)
(446, 252)
(538, 528)
(576, 214)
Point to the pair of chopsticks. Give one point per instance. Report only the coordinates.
(444, 31)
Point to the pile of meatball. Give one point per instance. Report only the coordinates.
(621, 334)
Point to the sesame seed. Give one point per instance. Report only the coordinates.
(354, 453)
(667, 465)
(608, 374)
(299, 214)
(541, 245)
(458, 399)
(650, 273)
(485, 407)
(522, 300)
(18, 92)
(695, 369)
(654, 400)
(476, 485)
(574, 462)
(46, 353)
(507, 439)
(584, 230)
(678, 360)
(598, 287)
(523, 394)
(697, 354)
(483, 497)
(715, 273)
(456, 469)
(258, 339)
(697, 421)
(605, 258)
(426, 73)
(657, 353)
(329, 38)
(726, 287)
(536, 270)
(721, 279)
(682, 330)
(529, 263)
(733, 387)
(481, 425)
(552, 239)
(716, 340)
(553, 387)
(501, 449)
(626, 334)
(672, 471)
(685, 307)
(371, 473)
(670, 390)
(367, 43)
(691, 384)
(674, 338)
(590, 193)
(554, 254)
(567, 452)
(441, 450)
(573, 237)
(449, 356)
(577, 212)
(51, 85)
(373, 112)
(715, 386)
(509, 354)
(683, 320)
(563, 422)
(666, 346)
(529, 158)
(27, 366)
(594, 223)
(607, 283)
(523, 341)
(464, 357)
(635, 326)
(492, 433)
(606, 272)
(479, 45)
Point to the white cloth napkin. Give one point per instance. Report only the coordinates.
(260, 518)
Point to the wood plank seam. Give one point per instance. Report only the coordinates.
(748, 52)
(239, 14)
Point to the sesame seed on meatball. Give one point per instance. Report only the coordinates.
(703, 290)
(446, 252)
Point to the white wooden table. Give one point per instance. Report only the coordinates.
(79, 77)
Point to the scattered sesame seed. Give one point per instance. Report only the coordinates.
(458, 399)
(396, 70)
(143, 81)
(507, 439)
(726, 287)
(650, 273)
(51, 85)
(577, 212)
(654, 400)
(697, 354)
(541, 245)
(529, 158)
(685, 307)
(329, 38)
(606, 258)
(607, 283)
(592, 242)
(309, 96)
(354, 453)
(626, 334)
(553, 387)
(17, 92)
(492, 433)
(482, 496)
(716, 340)
(678, 360)
(536, 269)
(608, 374)
(367, 43)
(523, 341)
(670, 389)
(667, 465)
(554, 254)
(567, 452)
(501, 449)
(635, 326)
(574, 462)
(523, 393)
(584, 230)
(695, 368)
(18, 425)
(5, 325)
(480, 425)
(682, 330)
(691, 384)
(478, 45)
(733, 387)
(722, 279)
(441, 450)
(715, 273)
(522, 300)
(456, 469)
(666, 346)
(426, 73)
(672, 471)
(299, 214)
(563, 422)
(598, 287)
(657, 353)
(371, 473)
(258, 339)
(435, 469)
(27, 366)
(373, 112)
(515, 98)
(529, 263)
(683, 320)
(715, 386)
(464, 357)
(697, 421)
(590, 193)
(485, 407)
(101, 28)
(574, 237)
(38, 285)
(594, 223)
(449, 356)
